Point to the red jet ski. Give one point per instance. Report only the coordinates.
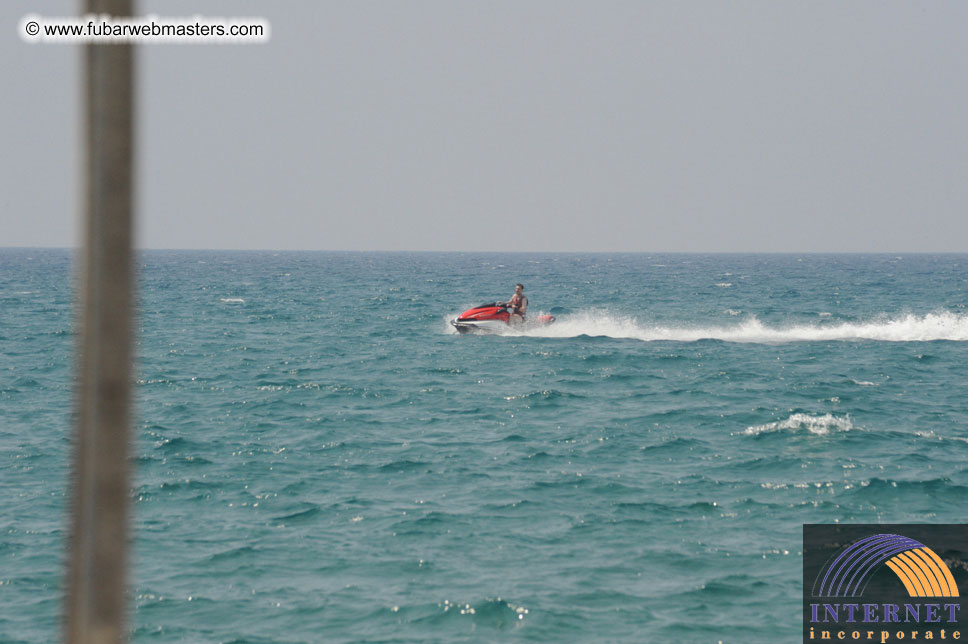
(494, 317)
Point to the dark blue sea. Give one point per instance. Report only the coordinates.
(319, 457)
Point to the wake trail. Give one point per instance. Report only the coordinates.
(943, 325)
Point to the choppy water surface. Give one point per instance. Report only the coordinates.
(319, 458)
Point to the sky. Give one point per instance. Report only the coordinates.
(542, 125)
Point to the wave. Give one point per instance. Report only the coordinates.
(820, 425)
(904, 328)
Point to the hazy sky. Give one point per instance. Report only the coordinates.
(519, 125)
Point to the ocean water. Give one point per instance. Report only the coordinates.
(318, 457)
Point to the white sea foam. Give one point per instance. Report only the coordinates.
(232, 300)
(933, 436)
(820, 425)
(903, 328)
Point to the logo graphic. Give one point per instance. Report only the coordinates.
(918, 567)
(884, 583)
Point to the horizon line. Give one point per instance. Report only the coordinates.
(520, 252)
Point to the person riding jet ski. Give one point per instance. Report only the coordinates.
(497, 316)
(518, 305)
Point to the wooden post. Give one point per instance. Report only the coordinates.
(97, 579)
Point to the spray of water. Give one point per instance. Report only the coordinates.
(904, 328)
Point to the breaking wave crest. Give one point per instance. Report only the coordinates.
(820, 425)
(905, 328)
